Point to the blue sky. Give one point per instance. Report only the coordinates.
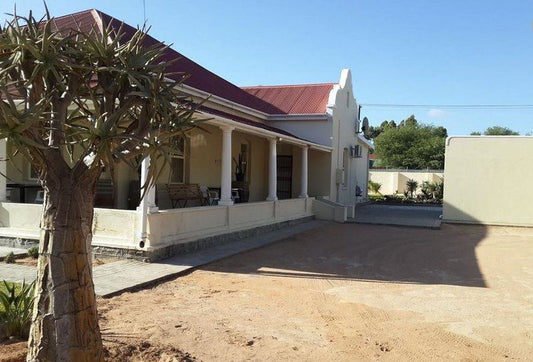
(400, 52)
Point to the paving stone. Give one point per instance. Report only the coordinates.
(4, 250)
(17, 273)
(114, 278)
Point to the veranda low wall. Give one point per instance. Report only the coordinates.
(176, 226)
(111, 228)
(118, 229)
(393, 181)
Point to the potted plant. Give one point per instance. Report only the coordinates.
(240, 168)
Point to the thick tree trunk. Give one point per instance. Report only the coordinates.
(65, 320)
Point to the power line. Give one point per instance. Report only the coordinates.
(453, 106)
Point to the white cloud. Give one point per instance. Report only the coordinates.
(436, 113)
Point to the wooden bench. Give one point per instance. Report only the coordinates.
(180, 194)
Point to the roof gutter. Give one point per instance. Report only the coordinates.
(299, 117)
(222, 101)
(221, 121)
(365, 141)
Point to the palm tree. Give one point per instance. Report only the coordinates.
(412, 185)
(374, 187)
(74, 103)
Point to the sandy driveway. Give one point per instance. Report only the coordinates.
(344, 293)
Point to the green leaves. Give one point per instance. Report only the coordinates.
(374, 187)
(497, 131)
(411, 185)
(107, 93)
(411, 145)
(16, 306)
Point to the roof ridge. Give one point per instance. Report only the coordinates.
(289, 85)
(76, 13)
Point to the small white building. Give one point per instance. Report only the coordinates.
(295, 145)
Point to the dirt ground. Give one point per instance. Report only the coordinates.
(341, 293)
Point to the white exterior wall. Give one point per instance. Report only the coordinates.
(317, 131)
(361, 177)
(319, 173)
(488, 180)
(343, 109)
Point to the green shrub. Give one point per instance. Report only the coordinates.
(412, 185)
(17, 306)
(394, 198)
(376, 198)
(10, 258)
(33, 252)
(439, 190)
(374, 187)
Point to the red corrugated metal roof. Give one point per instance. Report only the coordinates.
(295, 99)
(288, 99)
(200, 78)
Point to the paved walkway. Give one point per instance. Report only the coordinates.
(4, 250)
(114, 278)
(415, 216)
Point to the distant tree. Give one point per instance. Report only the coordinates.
(375, 131)
(440, 132)
(411, 145)
(496, 131)
(410, 121)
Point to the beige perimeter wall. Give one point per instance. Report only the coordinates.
(489, 180)
(394, 181)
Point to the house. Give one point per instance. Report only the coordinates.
(298, 150)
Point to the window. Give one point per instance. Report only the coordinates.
(355, 151)
(32, 172)
(177, 160)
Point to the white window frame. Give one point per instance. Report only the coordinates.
(183, 157)
(30, 169)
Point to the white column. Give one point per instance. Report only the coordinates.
(303, 177)
(147, 204)
(3, 169)
(225, 177)
(272, 171)
(149, 195)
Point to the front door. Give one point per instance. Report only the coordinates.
(284, 180)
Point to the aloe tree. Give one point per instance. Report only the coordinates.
(74, 103)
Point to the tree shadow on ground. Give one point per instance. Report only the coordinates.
(374, 253)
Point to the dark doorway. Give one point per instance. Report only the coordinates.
(284, 180)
